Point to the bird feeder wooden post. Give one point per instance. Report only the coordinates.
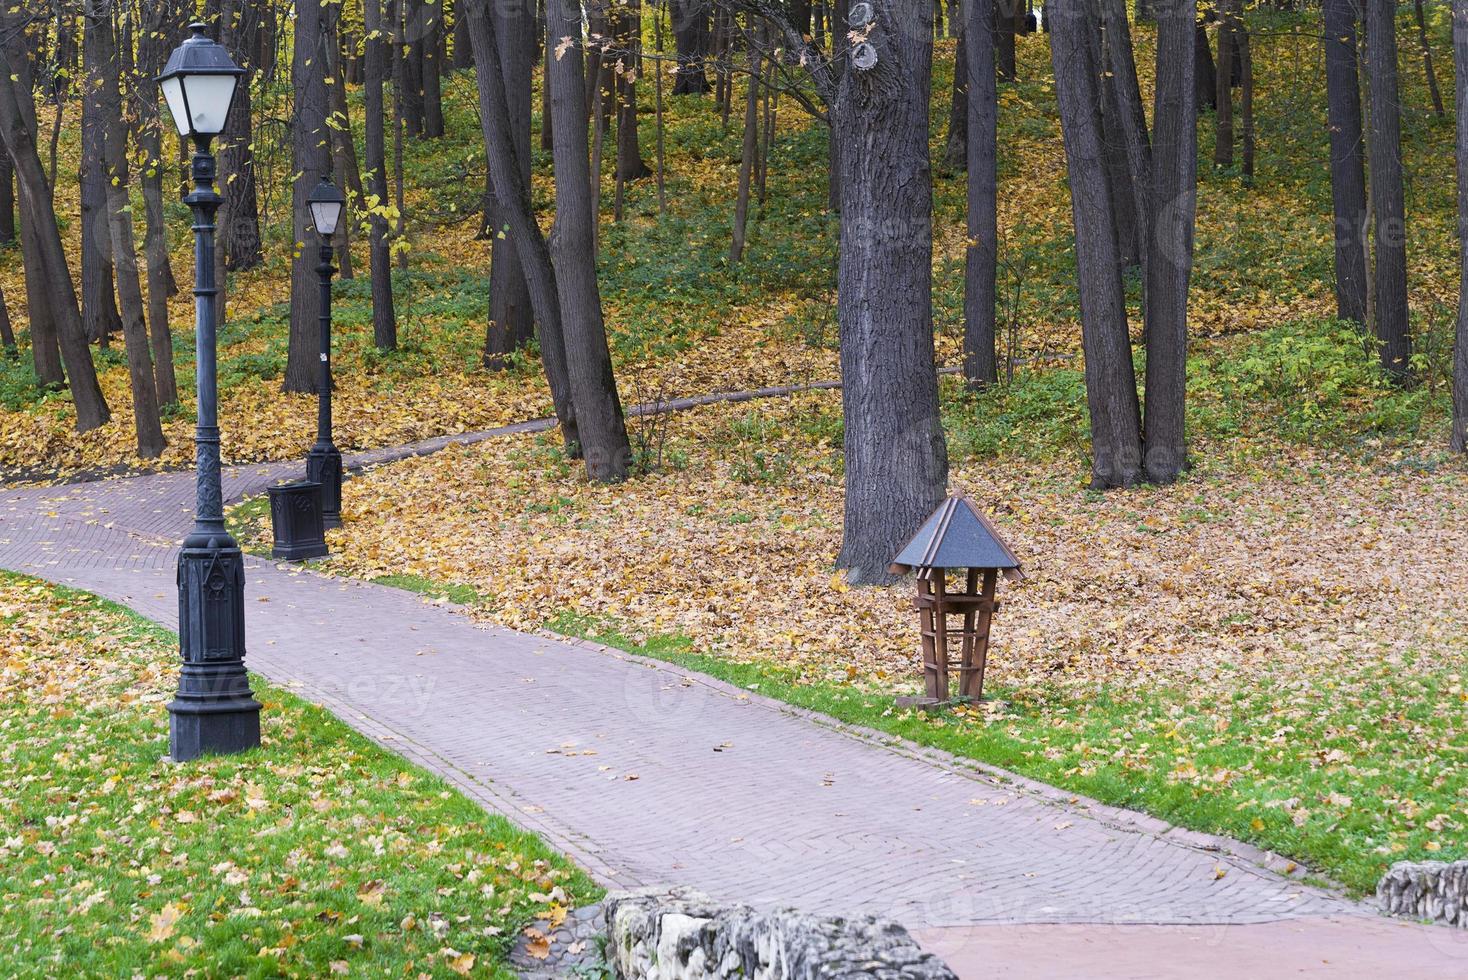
(956, 538)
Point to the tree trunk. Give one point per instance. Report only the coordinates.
(7, 332)
(1246, 94)
(46, 267)
(1459, 437)
(1205, 80)
(1223, 144)
(1384, 146)
(343, 142)
(1002, 28)
(1427, 68)
(44, 322)
(981, 257)
(432, 70)
(1111, 388)
(7, 201)
(751, 150)
(511, 314)
(589, 364)
(896, 459)
(1347, 170)
(101, 51)
(240, 229)
(691, 39)
(311, 161)
(1174, 162)
(376, 56)
(157, 31)
(410, 52)
(627, 28)
(512, 194)
(955, 152)
(100, 316)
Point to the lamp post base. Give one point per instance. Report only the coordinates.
(221, 732)
(214, 711)
(324, 466)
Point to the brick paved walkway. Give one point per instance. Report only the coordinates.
(647, 775)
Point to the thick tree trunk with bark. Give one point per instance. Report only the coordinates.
(376, 56)
(1206, 79)
(1384, 149)
(240, 229)
(955, 150)
(1459, 437)
(44, 322)
(1004, 38)
(599, 417)
(100, 316)
(1120, 73)
(101, 50)
(511, 314)
(46, 267)
(1111, 387)
(981, 258)
(432, 70)
(311, 156)
(896, 458)
(1347, 167)
(1174, 162)
(1223, 141)
(512, 194)
(691, 38)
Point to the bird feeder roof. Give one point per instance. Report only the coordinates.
(958, 536)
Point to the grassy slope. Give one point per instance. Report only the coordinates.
(319, 849)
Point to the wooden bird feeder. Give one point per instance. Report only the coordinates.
(957, 538)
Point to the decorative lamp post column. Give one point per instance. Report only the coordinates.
(324, 462)
(214, 710)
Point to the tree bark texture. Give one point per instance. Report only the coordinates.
(1174, 162)
(377, 57)
(981, 258)
(311, 155)
(599, 416)
(1347, 159)
(896, 457)
(1111, 388)
(1384, 149)
(511, 314)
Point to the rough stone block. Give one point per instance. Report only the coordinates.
(657, 934)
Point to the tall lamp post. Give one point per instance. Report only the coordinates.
(324, 462)
(214, 710)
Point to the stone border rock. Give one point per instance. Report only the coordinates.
(657, 934)
(1433, 890)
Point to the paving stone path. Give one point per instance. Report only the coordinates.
(646, 774)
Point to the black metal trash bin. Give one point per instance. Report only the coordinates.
(295, 515)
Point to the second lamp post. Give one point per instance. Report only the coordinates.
(324, 461)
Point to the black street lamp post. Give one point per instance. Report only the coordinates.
(214, 710)
(324, 462)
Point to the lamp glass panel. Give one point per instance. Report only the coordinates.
(210, 97)
(173, 93)
(326, 215)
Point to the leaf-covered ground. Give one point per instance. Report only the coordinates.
(318, 854)
(682, 321)
(1274, 648)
